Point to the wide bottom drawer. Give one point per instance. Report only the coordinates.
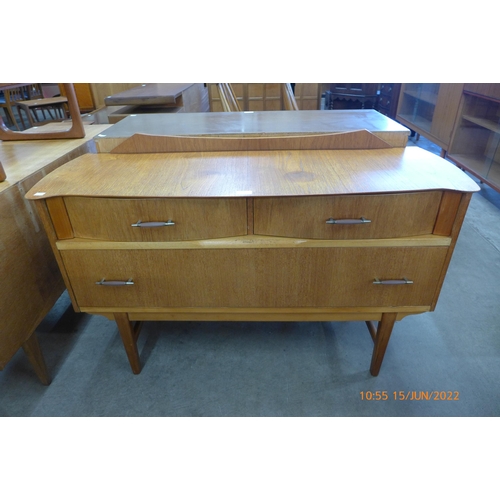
(298, 277)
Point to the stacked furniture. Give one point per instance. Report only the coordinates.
(388, 99)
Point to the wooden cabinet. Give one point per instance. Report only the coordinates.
(83, 96)
(269, 234)
(430, 109)
(30, 279)
(387, 103)
(353, 95)
(476, 140)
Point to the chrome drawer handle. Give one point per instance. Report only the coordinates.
(361, 220)
(404, 281)
(139, 223)
(114, 282)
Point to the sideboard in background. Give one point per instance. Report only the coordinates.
(30, 279)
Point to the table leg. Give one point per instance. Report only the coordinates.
(35, 356)
(129, 338)
(384, 331)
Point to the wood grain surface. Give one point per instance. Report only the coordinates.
(141, 143)
(23, 158)
(255, 173)
(280, 277)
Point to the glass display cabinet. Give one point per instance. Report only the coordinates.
(476, 141)
(418, 104)
(430, 109)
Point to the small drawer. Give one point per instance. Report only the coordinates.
(279, 277)
(156, 219)
(384, 101)
(386, 88)
(347, 217)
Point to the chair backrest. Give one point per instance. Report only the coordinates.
(16, 94)
(35, 91)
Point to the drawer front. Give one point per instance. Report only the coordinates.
(389, 216)
(386, 88)
(114, 219)
(281, 277)
(384, 101)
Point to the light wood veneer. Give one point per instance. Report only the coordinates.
(252, 241)
(29, 276)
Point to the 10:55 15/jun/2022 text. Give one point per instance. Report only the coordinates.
(410, 395)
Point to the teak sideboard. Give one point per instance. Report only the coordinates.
(265, 232)
(29, 276)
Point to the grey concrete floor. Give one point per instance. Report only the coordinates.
(283, 369)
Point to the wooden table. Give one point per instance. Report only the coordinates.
(255, 124)
(258, 234)
(159, 98)
(150, 94)
(30, 279)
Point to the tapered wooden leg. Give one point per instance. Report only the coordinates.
(35, 356)
(384, 331)
(129, 339)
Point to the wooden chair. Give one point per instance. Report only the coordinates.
(6, 106)
(75, 130)
(228, 97)
(55, 107)
(35, 91)
(10, 99)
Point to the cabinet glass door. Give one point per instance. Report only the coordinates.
(476, 145)
(418, 104)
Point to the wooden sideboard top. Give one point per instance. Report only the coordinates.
(253, 173)
(21, 159)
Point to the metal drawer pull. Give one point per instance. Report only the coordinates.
(361, 220)
(115, 283)
(139, 223)
(404, 281)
